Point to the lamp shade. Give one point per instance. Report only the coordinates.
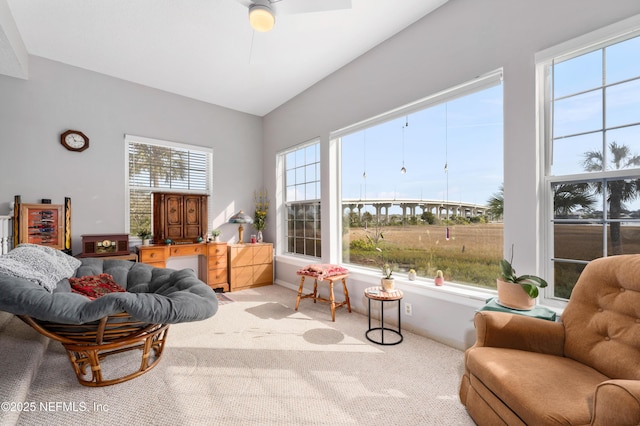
(261, 18)
(240, 217)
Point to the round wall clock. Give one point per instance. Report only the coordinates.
(74, 140)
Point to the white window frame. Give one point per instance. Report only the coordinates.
(132, 139)
(482, 82)
(281, 199)
(595, 40)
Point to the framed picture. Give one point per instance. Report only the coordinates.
(42, 224)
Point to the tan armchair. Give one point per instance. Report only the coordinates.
(584, 370)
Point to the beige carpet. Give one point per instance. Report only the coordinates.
(259, 362)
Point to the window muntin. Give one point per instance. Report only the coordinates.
(594, 146)
(302, 200)
(435, 216)
(162, 166)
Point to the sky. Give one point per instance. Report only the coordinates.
(465, 134)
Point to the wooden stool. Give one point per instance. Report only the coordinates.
(315, 297)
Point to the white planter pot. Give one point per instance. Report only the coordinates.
(387, 284)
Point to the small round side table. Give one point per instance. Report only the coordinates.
(377, 293)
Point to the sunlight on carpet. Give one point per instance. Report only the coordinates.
(258, 361)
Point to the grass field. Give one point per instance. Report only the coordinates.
(471, 255)
(473, 252)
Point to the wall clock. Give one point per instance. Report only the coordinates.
(74, 140)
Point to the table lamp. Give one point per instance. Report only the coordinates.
(240, 218)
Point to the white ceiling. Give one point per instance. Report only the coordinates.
(205, 49)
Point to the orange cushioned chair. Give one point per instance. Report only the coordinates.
(584, 370)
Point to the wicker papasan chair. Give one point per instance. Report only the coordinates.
(97, 307)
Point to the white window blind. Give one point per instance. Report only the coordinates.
(162, 166)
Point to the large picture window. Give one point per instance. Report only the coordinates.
(421, 186)
(592, 99)
(161, 166)
(302, 200)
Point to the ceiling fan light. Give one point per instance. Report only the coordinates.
(261, 18)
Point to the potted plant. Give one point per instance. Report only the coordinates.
(439, 279)
(260, 215)
(144, 235)
(216, 235)
(517, 292)
(387, 280)
(412, 274)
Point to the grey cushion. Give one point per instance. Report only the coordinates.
(154, 295)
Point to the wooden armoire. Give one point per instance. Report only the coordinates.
(179, 217)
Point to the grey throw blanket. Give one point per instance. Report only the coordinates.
(40, 264)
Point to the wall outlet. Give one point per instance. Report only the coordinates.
(408, 310)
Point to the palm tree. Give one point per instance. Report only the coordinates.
(161, 163)
(496, 204)
(565, 199)
(153, 164)
(568, 196)
(618, 191)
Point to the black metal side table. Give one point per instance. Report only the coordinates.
(377, 293)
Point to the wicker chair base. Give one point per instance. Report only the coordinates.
(88, 344)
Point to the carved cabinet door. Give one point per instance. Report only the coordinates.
(179, 217)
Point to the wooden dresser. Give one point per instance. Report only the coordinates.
(250, 265)
(212, 259)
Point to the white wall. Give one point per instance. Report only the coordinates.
(58, 97)
(454, 44)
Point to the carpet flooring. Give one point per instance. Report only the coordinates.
(259, 362)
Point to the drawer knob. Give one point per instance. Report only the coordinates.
(152, 255)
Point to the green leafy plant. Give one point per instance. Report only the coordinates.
(529, 283)
(216, 233)
(262, 207)
(386, 267)
(144, 234)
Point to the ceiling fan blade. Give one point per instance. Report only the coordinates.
(308, 6)
(245, 3)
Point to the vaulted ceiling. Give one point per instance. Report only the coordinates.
(205, 49)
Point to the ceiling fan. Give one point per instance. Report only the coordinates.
(262, 13)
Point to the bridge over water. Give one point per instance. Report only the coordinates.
(408, 206)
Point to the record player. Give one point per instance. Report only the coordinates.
(97, 245)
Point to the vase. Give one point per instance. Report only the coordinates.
(412, 275)
(259, 236)
(514, 296)
(145, 242)
(387, 284)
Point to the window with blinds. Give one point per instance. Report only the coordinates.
(161, 166)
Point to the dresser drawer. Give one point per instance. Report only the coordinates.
(217, 276)
(216, 262)
(188, 250)
(150, 255)
(217, 249)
